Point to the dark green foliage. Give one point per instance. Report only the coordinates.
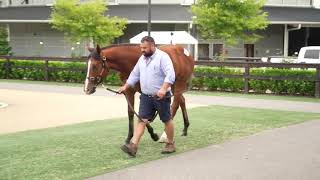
(230, 20)
(72, 72)
(292, 87)
(217, 83)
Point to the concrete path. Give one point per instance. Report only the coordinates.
(35, 106)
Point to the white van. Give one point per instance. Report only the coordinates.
(309, 54)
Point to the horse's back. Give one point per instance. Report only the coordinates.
(183, 63)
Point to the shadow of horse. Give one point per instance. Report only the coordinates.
(122, 58)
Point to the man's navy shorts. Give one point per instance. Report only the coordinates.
(149, 105)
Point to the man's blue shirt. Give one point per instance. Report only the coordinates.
(152, 72)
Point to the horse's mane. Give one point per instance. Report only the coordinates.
(95, 55)
(118, 45)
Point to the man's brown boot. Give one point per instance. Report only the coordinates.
(169, 148)
(130, 149)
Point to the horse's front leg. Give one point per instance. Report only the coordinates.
(130, 96)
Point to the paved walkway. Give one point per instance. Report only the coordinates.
(34, 106)
(290, 153)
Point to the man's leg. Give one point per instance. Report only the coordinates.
(132, 147)
(146, 111)
(169, 128)
(139, 132)
(170, 147)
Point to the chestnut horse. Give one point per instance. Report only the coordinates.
(122, 58)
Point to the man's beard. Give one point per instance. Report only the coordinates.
(149, 54)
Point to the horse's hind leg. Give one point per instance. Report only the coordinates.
(153, 135)
(185, 116)
(175, 105)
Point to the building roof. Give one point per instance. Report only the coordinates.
(134, 13)
(287, 15)
(160, 14)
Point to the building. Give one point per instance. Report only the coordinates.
(294, 24)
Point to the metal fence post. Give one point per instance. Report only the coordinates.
(246, 79)
(46, 70)
(7, 67)
(317, 83)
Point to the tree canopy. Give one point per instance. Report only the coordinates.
(86, 21)
(230, 20)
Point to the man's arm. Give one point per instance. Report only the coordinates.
(167, 67)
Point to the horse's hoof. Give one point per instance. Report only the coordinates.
(155, 137)
(184, 134)
(127, 141)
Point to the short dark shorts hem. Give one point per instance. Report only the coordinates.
(149, 105)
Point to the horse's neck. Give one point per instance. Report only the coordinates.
(125, 61)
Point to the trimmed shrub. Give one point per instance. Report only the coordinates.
(74, 72)
(208, 80)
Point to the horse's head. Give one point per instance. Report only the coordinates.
(97, 70)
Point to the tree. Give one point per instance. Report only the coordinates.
(86, 21)
(5, 48)
(230, 20)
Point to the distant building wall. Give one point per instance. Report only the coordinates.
(38, 39)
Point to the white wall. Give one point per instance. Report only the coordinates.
(25, 41)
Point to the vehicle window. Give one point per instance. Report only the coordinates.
(312, 54)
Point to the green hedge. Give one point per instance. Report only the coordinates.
(217, 83)
(37, 72)
(292, 87)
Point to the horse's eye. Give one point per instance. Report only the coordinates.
(94, 69)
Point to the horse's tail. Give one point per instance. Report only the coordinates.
(184, 52)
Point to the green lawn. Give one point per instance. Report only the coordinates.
(89, 149)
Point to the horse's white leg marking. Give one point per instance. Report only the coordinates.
(88, 72)
(163, 138)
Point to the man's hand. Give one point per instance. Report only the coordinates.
(161, 93)
(163, 90)
(123, 88)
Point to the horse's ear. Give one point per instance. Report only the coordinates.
(90, 49)
(98, 49)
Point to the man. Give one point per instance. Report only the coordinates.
(156, 74)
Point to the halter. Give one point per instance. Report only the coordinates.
(98, 79)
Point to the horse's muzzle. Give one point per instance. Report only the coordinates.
(90, 91)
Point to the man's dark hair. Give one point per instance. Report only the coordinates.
(148, 39)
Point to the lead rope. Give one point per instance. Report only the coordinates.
(129, 104)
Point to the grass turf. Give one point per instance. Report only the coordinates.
(89, 149)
